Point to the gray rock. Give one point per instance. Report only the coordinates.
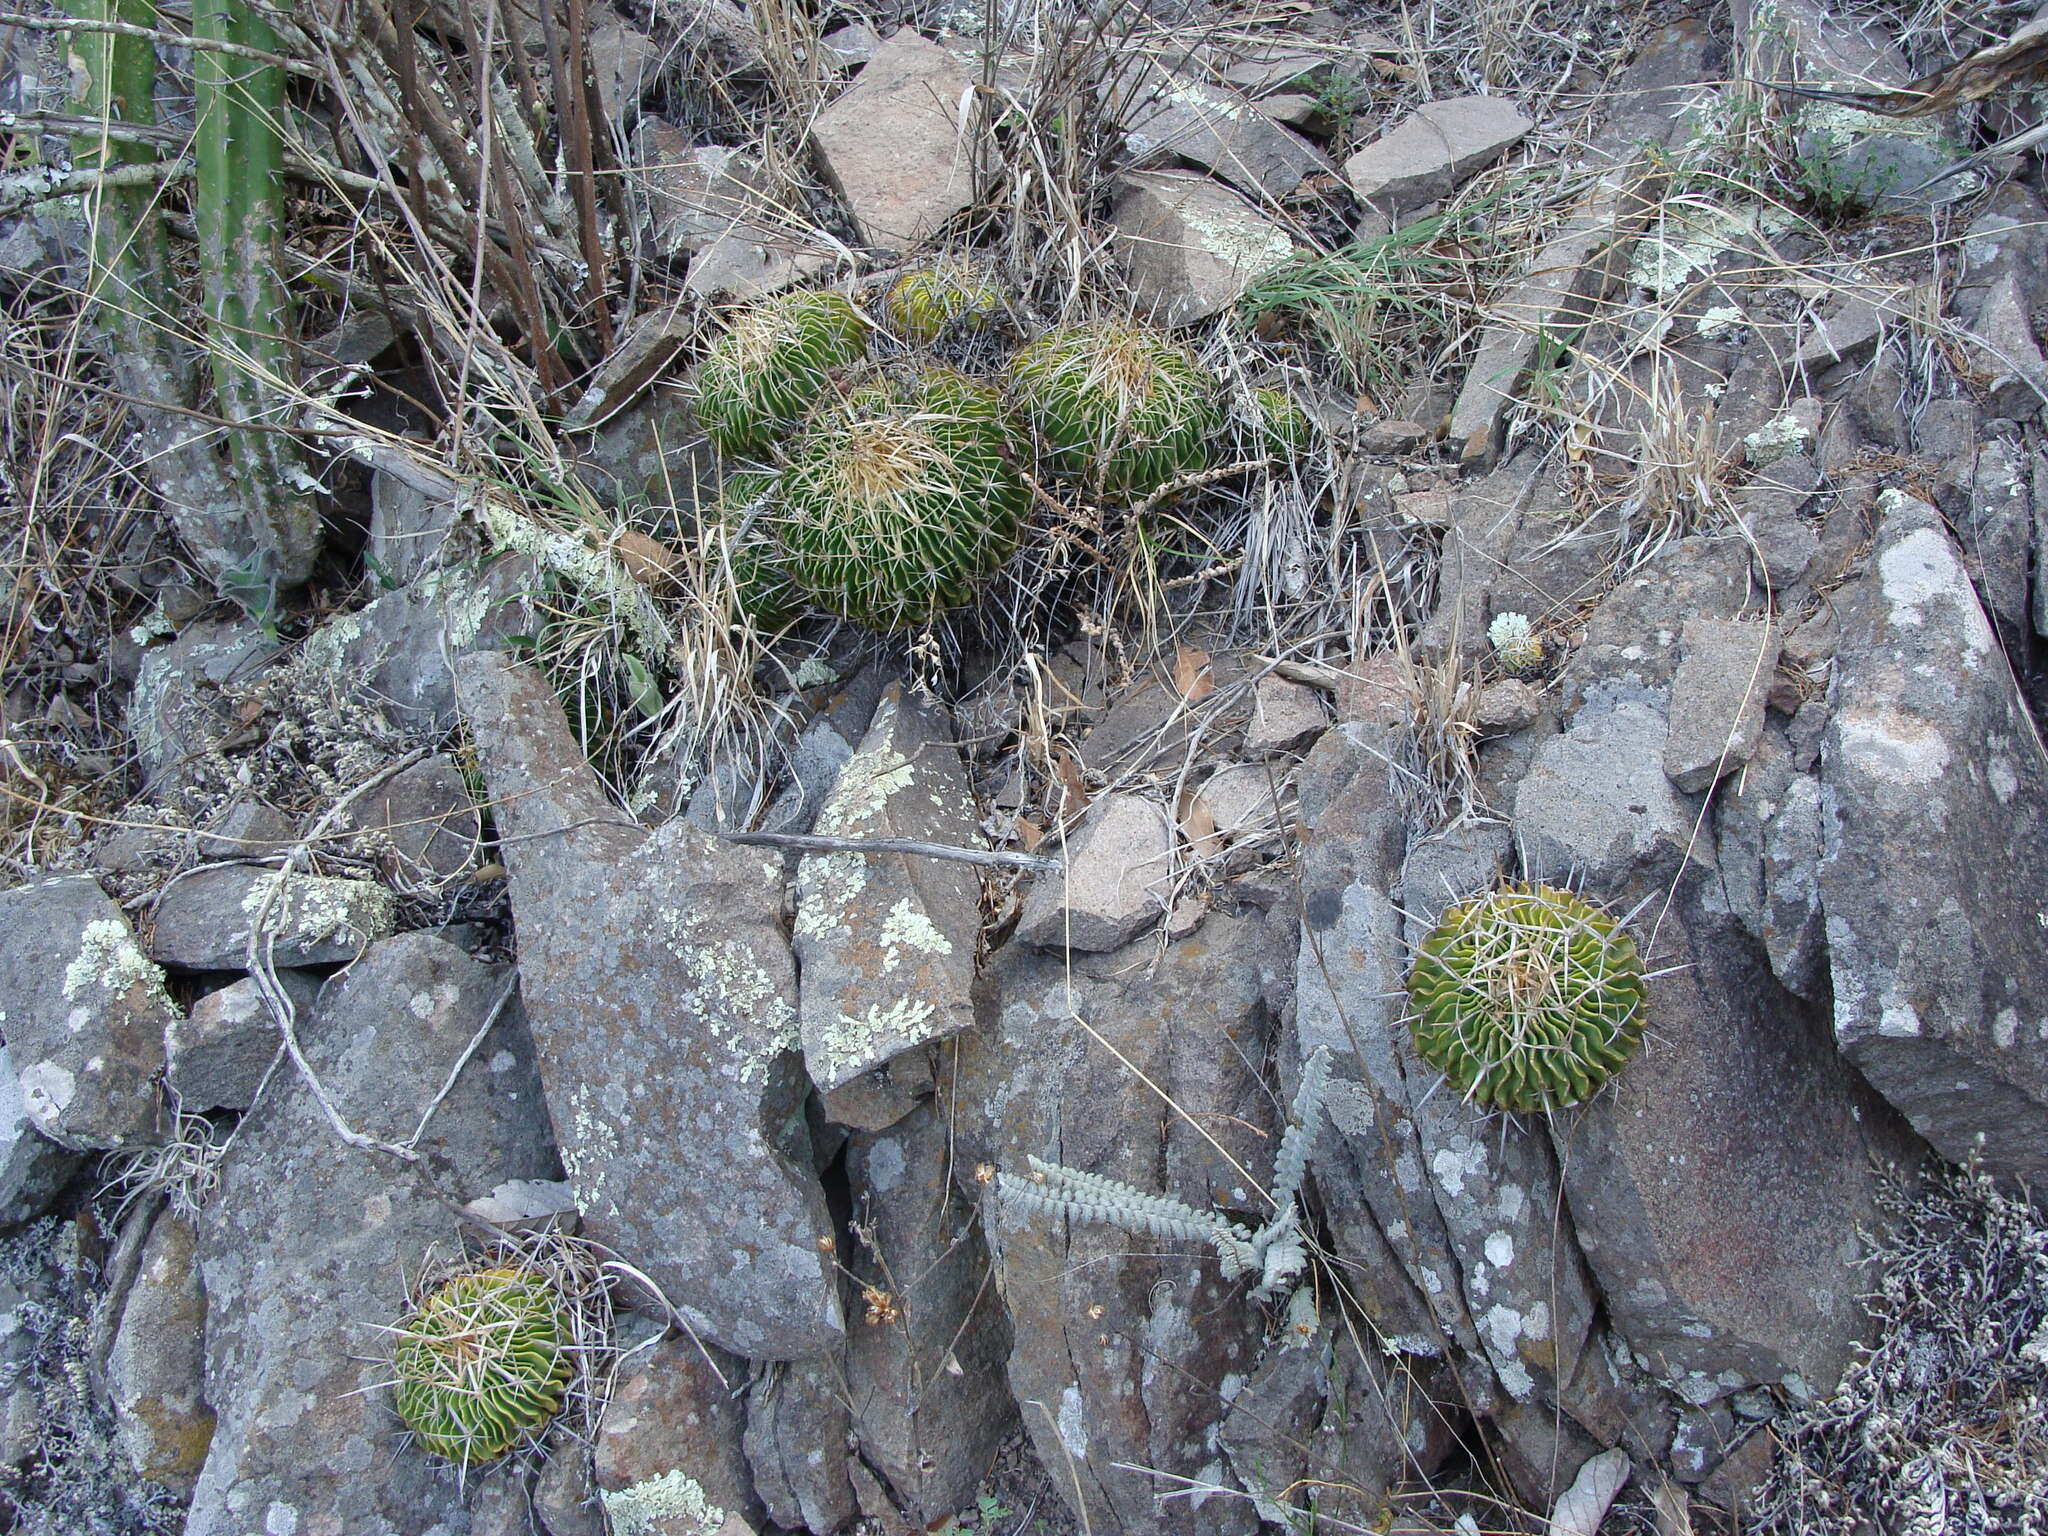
(1934, 824)
(1219, 130)
(402, 644)
(853, 45)
(218, 1053)
(931, 1403)
(498, 1503)
(1286, 717)
(1118, 862)
(1734, 1116)
(1434, 150)
(83, 1012)
(1127, 1341)
(1717, 699)
(1768, 845)
(643, 352)
(797, 1429)
(33, 1168)
(755, 259)
(652, 454)
(1848, 333)
(1996, 532)
(2009, 354)
(248, 829)
(679, 1407)
(663, 1001)
(408, 528)
(1191, 245)
(692, 194)
(180, 710)
(426, 826)
(1507, 706)
(885, 945)
(565, 1496)
(1631, 642)
(304, 1236)
(1240, 800)
(1598, 803)
(156, 1370)
(891, 142)
(1770, 508)
(203, 919)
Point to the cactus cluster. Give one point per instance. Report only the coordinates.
(1122, 409)
(1526, 998)
(772, 364)
(482, 1363)
(899, 497)
(922, 305)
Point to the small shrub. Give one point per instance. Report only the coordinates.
(899, 498)
(482, 1363)
(1526, 998)
(772, 364)
(1120, 408)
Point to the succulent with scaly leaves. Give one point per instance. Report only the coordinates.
(772, 364)
(922, 305)
(1120, 408)
(1526, 998)
(482, 1363)
(900, 497)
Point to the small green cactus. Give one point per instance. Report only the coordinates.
(900, 497)
(773, 363)
(1121, 408)
(1526, 998)
(482, 1363)
(922, 305)
(740, 531)
(1280, 428)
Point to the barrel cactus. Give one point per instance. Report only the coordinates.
(923, 304)
(740, 538)
(1526, 998)
(482, 1363)
(772, 364)
(900, 497)
(1279, 428)
(1121, 408)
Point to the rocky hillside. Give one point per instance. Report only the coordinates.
(1165, 770)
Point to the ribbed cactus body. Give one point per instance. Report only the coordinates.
(1120, 408)
(772, 364)
(741, 534)
(900, 497)
(482, 1363)
(1526, 998)
(1280, 428)
(922, 305)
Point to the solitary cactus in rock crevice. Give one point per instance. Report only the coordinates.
(900, 497)
(1526, 998)
(1121, 408)
(482, 1363)
(773, 363)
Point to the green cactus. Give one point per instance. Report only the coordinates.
(1120, 408)
(772, 364)
(482, 1363)
(1279, 428)
(741, 532)
(1526, 998)
(921, 305)
(900, 497)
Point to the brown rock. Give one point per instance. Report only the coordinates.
(1118, 864)
(892, 145)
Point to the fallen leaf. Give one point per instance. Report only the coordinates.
(1191, 674)
(1073, 788)
(1029, 834)
(1198, 826)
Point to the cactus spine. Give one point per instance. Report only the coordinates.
(773, 364)
(1121, 409)
(482, 1363)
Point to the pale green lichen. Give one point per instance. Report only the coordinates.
(741, 1006)
(1775, 440)
(317, 908)
(109, 958)
(906, 927)
(864, 788)
(597, 575)
(673, 1504)
(863, 1039)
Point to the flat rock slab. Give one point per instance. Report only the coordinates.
(663, 1001)
(217, 1055)
(1724, 673)
(1431, 152)
(1223, 133)
(156, 1369)
(33, 1168)
(428, 827)
(886, 944)
(693, 194)
(1112, 889)
(892, 143)
(83, 1011)
(203, 921)
(181, 708)
(1597, 801)
(1192, 246)
(304, 1243)
(1934, 835)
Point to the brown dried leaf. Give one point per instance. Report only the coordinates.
(1191, 674)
